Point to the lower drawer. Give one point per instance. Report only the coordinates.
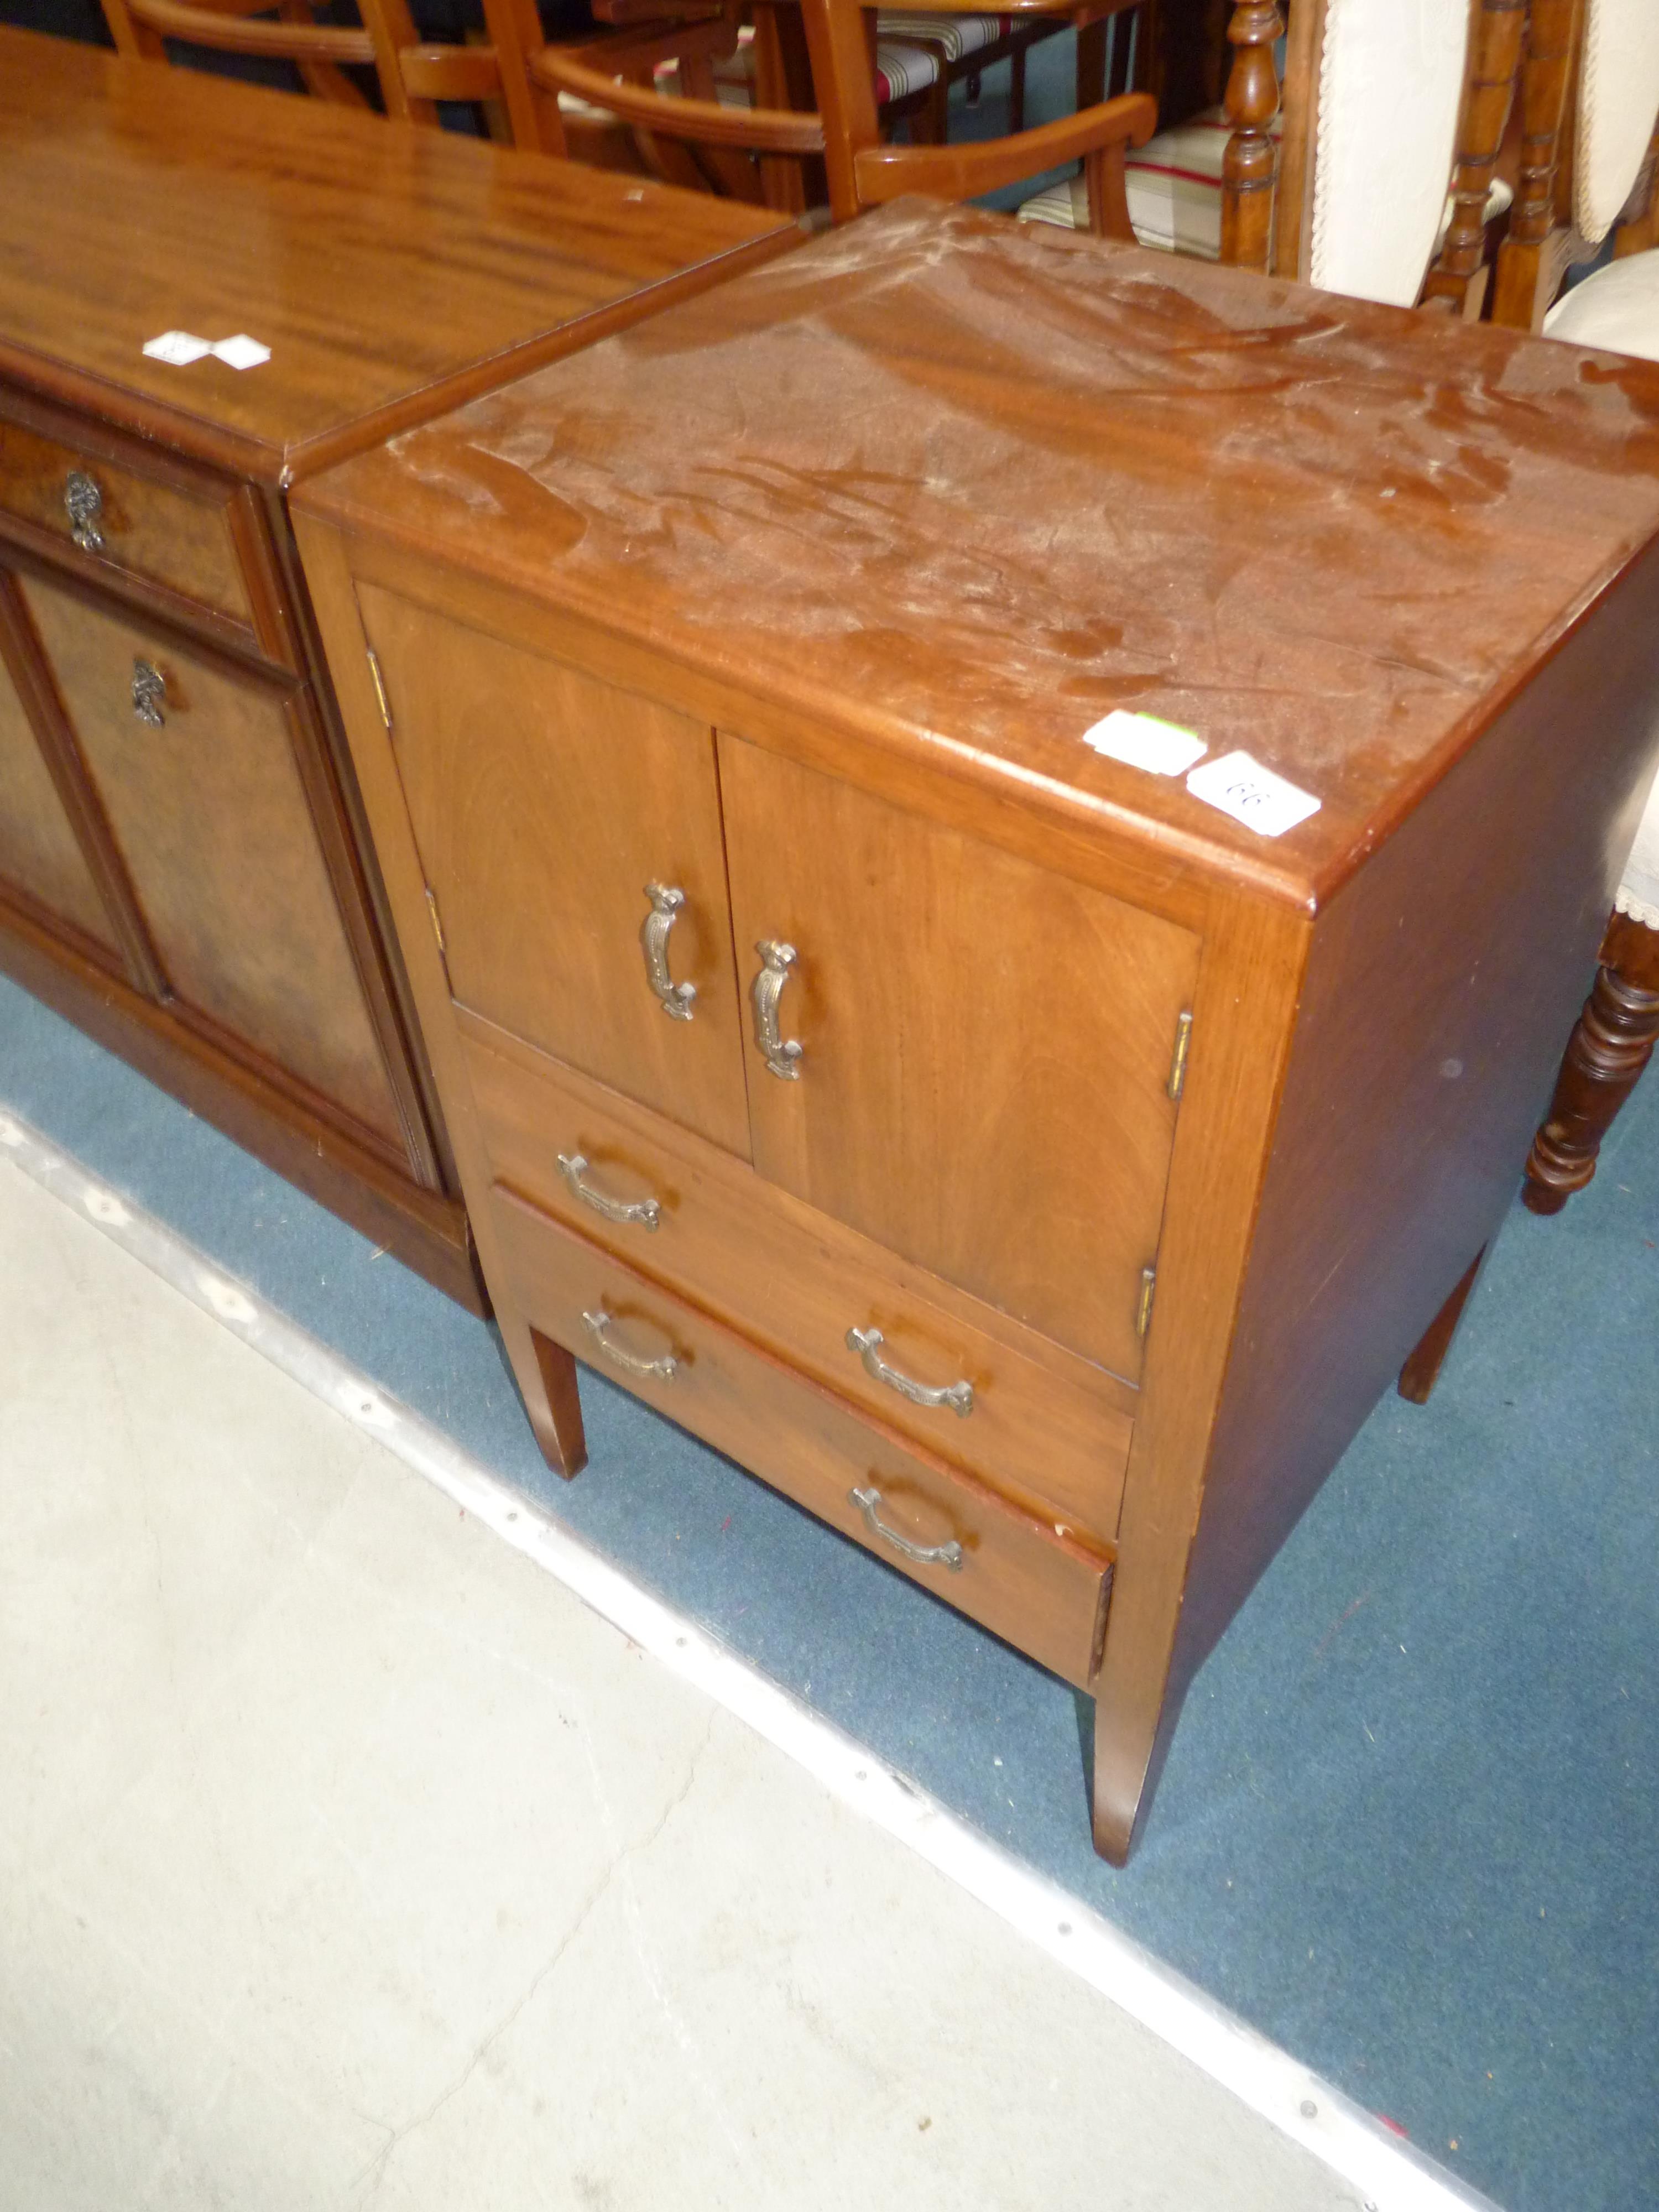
(1043, 1426)
(1012, 1574)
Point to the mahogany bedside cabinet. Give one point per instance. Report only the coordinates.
(995, 836)
(183, 870)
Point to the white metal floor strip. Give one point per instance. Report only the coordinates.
(1393, 2175)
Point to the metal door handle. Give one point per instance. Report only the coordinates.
(598, 1326)
(675, 998)
(643, 1213)
(948, 1556)
(150, 693)
(867, 1343)
(782, 1055)
(83, 503)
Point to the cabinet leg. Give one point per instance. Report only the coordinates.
(1607, 1051)
(1422, 1368)
(554, 1410)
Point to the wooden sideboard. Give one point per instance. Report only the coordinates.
(1031, 1169)
(182, 866)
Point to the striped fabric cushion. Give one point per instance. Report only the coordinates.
(901, 69)
(956, 36)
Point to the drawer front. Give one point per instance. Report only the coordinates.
(570, 836)
(979, 1054)
(105, 511)
(1005, 1570)
(1043, 1426)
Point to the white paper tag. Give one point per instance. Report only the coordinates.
(1252, 794)
(241, 351)
(1143, 741)
(178, 347)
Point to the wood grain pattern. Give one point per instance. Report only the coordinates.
(1278, 483)
(1018, 1578)
(955, 1006)
(40, 853)
(543, 805)
(212, 824)
(384, 268)
(1048, 1432)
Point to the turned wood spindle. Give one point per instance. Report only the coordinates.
(1529, 262)
(1250, 170)
(1612, 1044)
(1455, 280)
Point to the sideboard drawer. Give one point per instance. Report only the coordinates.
(1009, 1572)
(1041, 1426)
(163, 531)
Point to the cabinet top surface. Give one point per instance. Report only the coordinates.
(965, 486)
(375, 260)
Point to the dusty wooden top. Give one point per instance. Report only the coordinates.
(376, 261)
(964, 486)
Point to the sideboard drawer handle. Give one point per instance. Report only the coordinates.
(782, 1055)
(598, 1326)
(83, 503)
(675, 998)
(925, 1555)
(150, 693)
(867, 1343)
(641, 1213)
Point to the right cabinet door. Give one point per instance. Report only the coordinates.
(982, 1077)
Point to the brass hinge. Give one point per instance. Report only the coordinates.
(379, 693)
(1178, 1063)
(1143, 1310)
(438, 929)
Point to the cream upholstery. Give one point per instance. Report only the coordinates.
(1618, 101)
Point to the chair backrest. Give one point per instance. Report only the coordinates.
(730, 146)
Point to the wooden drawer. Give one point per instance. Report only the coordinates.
(1045, 1427)
(158, 523)
(1010, 1572)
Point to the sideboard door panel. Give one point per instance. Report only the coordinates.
(38, 850)
(983, 1083)
(543, 804)
(211, 818)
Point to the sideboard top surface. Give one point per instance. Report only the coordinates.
(378, 261)
(964, 487)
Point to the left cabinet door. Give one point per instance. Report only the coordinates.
(197, 766)
(40, 853)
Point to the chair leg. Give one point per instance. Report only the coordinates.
(1423, 1363)
(1017, 92)
(1611, 1045)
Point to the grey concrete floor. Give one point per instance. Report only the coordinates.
(348, 1859)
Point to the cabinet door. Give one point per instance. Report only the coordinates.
(203, 796)
(40, 853)
(983, 1081)
(543, 805)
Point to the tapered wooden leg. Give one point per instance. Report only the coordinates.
(1612, 1044)
(557, 1420)
(1422, 1368)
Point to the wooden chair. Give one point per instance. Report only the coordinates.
(730, 150)
(1344, 180)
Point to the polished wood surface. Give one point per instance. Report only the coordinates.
(387, 269)
(1019, 1576)
(1001, 483)
(954, 1004)
(40, 853)
(1048, 1430)
(544, 805)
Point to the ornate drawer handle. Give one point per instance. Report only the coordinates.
(925, 1555)
(150, 692)
(83, 503)
(867, 1343)
(645, 1213)
(598, 1326)
(675, 998)
(782, 1055)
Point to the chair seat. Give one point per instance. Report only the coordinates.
(956, 36)
(901, 69)
(1617, 308)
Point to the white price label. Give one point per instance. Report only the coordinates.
(1252, 794)
(179, 348)
(1143, 741)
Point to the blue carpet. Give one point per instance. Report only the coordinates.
(1407, 1827)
